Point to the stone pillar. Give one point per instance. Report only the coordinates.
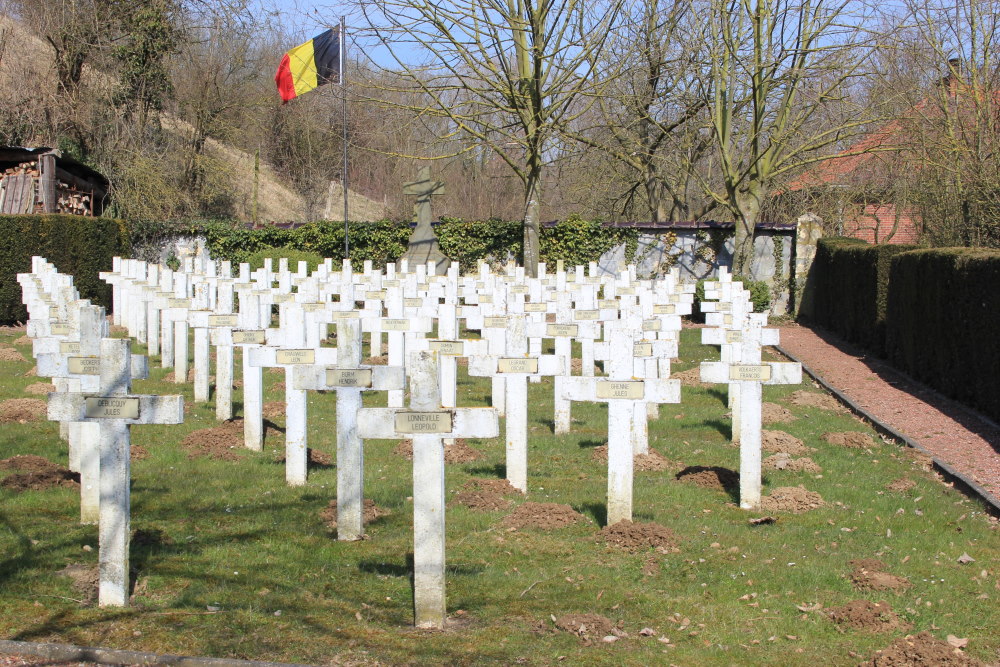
(808, 233)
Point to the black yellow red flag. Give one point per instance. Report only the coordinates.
(309, 65)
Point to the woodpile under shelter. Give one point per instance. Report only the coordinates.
(42, 180)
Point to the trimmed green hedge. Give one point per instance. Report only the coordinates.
(943, 318)
(79, 246)
(851, 280)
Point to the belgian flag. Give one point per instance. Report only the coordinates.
(309, 65)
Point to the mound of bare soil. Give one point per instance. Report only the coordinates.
(921, 650)
(369, 512)
(901, 485)
(812, 399)
(543, 516)
(794, 499)
(576, 367)
(171, 376)
(710, 477)
(86, 579)
(31, 372)
(22, 410)
(850, 439)
(273, 410)
(585, 626)
(23, 340)
(870, 575)
(39, 480)
(138, 452)
(28, 463)
(634, 537)
(772, 413)
(38, 388)
(783, 461)
(380, 360)
(868, 616)
(653, 461)
(10, 354)
(222, 443)
(486, 495)
(317, 459)
(690, 378)
(920, 459)
(782, 443)
(459, 452)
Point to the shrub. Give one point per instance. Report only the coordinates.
(256, 260)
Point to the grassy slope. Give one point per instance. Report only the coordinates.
(232, 535)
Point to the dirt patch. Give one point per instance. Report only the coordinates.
(171, 376)
(782, 443)
(39, 480)
(23, 410)
(812, 399)
(369, 512)
(28, 463)
(459, 452)
(870, 575)
(273, 409)
(585, 626)
(690, 378)
(576, 367)
(783, 461)
(868, 616)
(710, 477)
(37, 388)
(380, 360)
(850, 439)
(651, 462)
(23, 340)
(901, 485)
(920, 459)
(138, 453)
(794, 499)
(485, 495)
(772, 413)
(10, 354)
(86, 579)
(317, 459)
(543, 516)
(221, 443)
(921, 650)
(634, 537)
(118, 330)
(31, 372)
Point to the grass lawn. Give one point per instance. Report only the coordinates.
(230, 562)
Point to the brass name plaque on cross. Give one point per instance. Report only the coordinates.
(349, 377)
(485, 298)
(390, 283)
(67, 347)
(558, 330)
(724, 307)
(727, 319)
(627, 291)
(451, 348)
(314, 307)
(675, 298)
(751, 373)
(223, 320)
(423, 422)
(629, 390)
(111, 408)
(495, 322)
(608, 304)
(664, 309)
(734, 336)
(536, 307)
(84, 365)
(248, 337)
(59, 329)
(345, 314)
(584, 315)
(517, 365)
(175, 302)
(642, 350)
(375, 295)
(413, 303)
(518, 289)
(395, 325)
(652, 325)
(283, 298)
(291, 357)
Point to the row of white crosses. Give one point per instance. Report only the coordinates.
(741, 334)
(94, 376)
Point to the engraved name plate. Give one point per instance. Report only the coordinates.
(536, 307)
(345, 314)
(84, 365)
(642, 350)
(375, 295)
(248, 337)
(495, 322)
(413, 302)
(395, 325)
(283, 298)
(734, 336)
(752, 373)
(631, 390)
(59, 329)
(452, 348)
(485, 298)
(349, 377)
(517, 365)
(664, 309)
(295, 356)
(111, 408)
(390, 283)
(314, 307)
(423, 422)
(175, 302)
(67, 347)
(652, 325)
(727, 319)
(562, 330)
(608, 304)
(223, 320)
(584, 315)
(518, 289)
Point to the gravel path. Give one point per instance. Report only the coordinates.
(952, 433)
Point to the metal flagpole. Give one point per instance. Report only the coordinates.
(343, 90)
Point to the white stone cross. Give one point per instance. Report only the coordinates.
(516, 366)
(349, 378)
(621, 390)
(749, 374)
(564, 334)
(115, 409)
(427, 423)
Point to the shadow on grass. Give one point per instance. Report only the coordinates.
(597, 511)
(388, 569)
(499, 471)
(723, 426)
(712, 477)
(718, 393)
(591, 444)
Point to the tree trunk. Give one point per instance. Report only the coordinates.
(531, 243)
(746, 223)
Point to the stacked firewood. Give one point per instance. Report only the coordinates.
(30, 168)
(69, 200)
